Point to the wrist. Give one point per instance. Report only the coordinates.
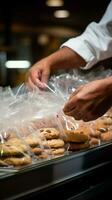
(65, 58)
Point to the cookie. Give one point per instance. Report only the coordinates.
(43, 155)
(16, 142)
(99, 124)
(94, 142)
(56, 151)
(7, 150)
(33, 141)
(107, 136)
(49, 133)
(12, 147)
(104, 122)
(77, 135)
(37, 150)
(78, 146)
(54, 143)
(107, 121)
(25, 160)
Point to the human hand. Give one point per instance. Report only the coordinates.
(64, 58)
(38, 74)
(90, 101)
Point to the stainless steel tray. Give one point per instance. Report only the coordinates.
(38, 177)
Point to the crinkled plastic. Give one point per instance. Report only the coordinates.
(14, 152)
(33, 123)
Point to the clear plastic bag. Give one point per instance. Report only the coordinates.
(13, 150)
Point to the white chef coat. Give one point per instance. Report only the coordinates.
(95, 43)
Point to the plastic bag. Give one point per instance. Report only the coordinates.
(14, 152)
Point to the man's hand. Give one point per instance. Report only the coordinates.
(64, 58)
(38, 74)
(90, 101)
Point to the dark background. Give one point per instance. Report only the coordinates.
(23, 23)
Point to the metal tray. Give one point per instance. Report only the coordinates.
(38, 177)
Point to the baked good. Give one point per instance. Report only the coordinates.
(78, 146)
(107, 136)
(107, 120)
(49, 133)
(78, 135)
(94, 142)
(32, 140)
(55, 151)
(12, 147)
(54, 143)
(37, 150)
(25, 160)
(43, 155)
(100, 124)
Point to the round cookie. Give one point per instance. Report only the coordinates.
(37, 150)
(8, 150)
(16, 142)
(33, 141)
(78, 135)
(43, 155)
(94, 142)
(18, 161)
(12, 147)
(54, 143)
(107, 136)
(49, 133)
(78, 146)
(100, 124)
(107, 120)
(55, 151)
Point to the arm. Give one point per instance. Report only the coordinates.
(91, 100)
(64, 58)
(95, 44)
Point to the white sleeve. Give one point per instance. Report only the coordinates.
(95, 43)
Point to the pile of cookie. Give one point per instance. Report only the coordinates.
(77, 139)
(90, 134)
(46, 143)
(53, 143)
(14, 152)
(104, 129)
(49, 142)
(20, 151)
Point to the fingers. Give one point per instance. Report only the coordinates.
(76, 91)
(30, 84)
(72, 101)
(70, 105)
(34, 79)
(45, 76)
(85, 116)
(76, 115)
(80, 109)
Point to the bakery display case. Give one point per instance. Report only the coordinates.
(85, 174)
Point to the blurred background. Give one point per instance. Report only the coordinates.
(31, 30)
